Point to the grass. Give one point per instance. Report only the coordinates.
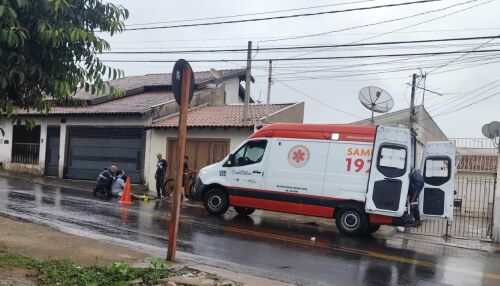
(64, 272)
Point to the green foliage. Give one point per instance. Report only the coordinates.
(49, 49)
(64, 272)
(9, 260)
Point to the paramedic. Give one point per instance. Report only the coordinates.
(105, 180)
(416, 186)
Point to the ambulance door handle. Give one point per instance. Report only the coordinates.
(257, 172)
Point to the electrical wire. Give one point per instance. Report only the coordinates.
(252, 14)
(283, 17)
(258, 49)
(318, 101)
(375, 23)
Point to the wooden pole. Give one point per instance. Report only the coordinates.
(412, 120)
(181, 150)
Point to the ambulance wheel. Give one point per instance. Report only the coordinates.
(372, 228)
(244, 211)
(216, 201)
(351, 220)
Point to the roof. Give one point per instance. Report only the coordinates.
(133, 105)
(425, 126)
(220, 116)
(477, 163)
(358, 133)
(131, 83)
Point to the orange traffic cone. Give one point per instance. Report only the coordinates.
(126, 198)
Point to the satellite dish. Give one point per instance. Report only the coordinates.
(376, 99)
(486, 131)
(494, 129)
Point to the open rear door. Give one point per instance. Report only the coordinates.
(438, 163)
(388, 184)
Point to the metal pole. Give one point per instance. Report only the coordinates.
(181, 150)
(248, 79)
(412, 119)
(269, 82)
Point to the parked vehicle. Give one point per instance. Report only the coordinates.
(358, 175)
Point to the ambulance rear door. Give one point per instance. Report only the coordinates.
(388, 182)
(438, 164)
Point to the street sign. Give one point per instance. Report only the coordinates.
(177, 75)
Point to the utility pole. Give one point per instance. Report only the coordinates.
(248, 79)
(412, 119)
(269, 82)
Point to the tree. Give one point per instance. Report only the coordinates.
(49, 49)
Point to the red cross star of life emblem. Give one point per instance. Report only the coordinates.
(298, 156)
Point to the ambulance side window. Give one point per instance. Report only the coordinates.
(391, 161)
(251, 153)
(437, 171)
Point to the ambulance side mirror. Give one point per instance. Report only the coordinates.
(230, 161)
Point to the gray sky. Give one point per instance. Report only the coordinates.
(338, 82)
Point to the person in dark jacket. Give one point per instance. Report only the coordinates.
(105, 181)
(416, 186)
(160, 175)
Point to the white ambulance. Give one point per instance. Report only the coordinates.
(358, 175)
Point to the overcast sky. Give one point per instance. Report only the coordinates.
(462, 80)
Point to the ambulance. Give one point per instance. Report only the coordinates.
(357, 175)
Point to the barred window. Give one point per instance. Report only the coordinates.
(25, 144)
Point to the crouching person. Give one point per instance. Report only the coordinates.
(118, 184)
(105, 181)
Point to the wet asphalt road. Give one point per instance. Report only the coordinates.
(268, 247)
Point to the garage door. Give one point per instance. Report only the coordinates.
(90, 149)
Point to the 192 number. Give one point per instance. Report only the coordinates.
(358, 164)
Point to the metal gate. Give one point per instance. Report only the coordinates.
(90, 149)
(474, 200)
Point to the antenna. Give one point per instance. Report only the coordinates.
(376, 100)
(492, 131)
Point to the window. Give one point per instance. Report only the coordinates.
(437, 170)
(251, 153)
(25, 144)
(392, 161)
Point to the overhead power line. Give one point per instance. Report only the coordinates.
(318, 101)
(382, 22)
(283, 17)
(306, 46)
(252, 14)
(313, 58)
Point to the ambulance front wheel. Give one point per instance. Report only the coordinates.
(216, 201)
(244, 211)
(351, 220)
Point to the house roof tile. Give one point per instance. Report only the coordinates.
(156, 80)
(133, 104)
(220, 116)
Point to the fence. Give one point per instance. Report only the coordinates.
(474, 200)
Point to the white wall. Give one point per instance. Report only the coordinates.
(38, 169)
(156, 142)
(232, 87)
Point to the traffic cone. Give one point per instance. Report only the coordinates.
(126, 198)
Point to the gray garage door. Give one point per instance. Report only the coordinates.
(90, 149)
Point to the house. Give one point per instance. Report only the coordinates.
(76, 142)
(425, 127)
(213, 131)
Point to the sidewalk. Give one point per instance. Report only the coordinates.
(63, 183)
(44, 243)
